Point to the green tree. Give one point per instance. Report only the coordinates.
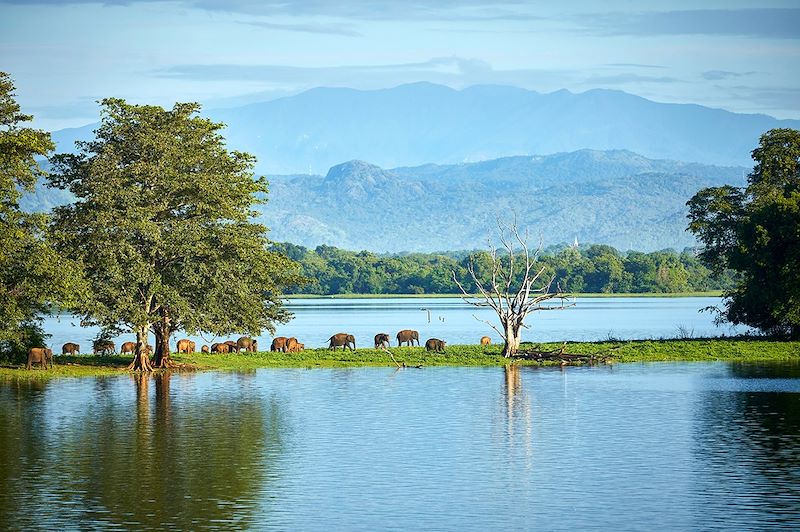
(162, 224)
(755, 232)
(31, 273)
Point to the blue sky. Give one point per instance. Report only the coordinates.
(64, 55)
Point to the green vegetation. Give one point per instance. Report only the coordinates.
(31, 273)
(162, 226)
(705, 350)
(594, 269)
(755, 231)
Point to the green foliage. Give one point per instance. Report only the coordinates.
(596, 268)
(32, 275)
(162, 224)
(755, 232)
(27, 335)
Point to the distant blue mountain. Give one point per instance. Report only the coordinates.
(423, 123)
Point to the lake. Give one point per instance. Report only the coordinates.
(686, 446)
(454, 321)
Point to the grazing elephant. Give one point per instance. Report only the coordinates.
(39, 355)
(205, 349)
(128, 348)
(408, 336)
(381, 340)
(185, 346)
(233, 347)
(342, 340)
(70, 348)
(279, 344)
(103, 347)
(246, 343)
(220, 348)
(434, 344)
(293, 346)
(485, 340)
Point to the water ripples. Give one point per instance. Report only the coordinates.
(630, 447)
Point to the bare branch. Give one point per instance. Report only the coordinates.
(512, 298)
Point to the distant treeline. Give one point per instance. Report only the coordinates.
(592, 268)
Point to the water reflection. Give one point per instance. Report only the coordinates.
(747, 437)
(685, 446)
(518, 410)
(154, 460)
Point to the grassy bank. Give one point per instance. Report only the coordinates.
(725, 349)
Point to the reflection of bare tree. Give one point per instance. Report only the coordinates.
(513, 388)
(518, 409)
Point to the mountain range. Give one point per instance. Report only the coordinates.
(611, 197)
(420, 123)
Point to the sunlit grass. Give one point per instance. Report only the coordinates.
(708, 349)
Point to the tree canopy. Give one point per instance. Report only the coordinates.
(590, 268)
(755, 231)
(162, 224)
(32, 275)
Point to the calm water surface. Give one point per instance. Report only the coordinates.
(627, 447)
(452, 320)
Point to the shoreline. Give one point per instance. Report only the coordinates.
(731, 349)
(711, 293)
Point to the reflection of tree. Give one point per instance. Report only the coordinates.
(747, 442)
(187, 460)
(22, 449)
(517, 409)
(513, 389)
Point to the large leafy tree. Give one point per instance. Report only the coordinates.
(755, 231)
(163, 225)
(31, 273)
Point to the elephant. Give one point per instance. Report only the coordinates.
(233, 347)
(103, 347)
(342, 340)
(485, 340)
(381, 340)
(185, 346)
(293, 346)
(220, 348)
(70, 348)
(39, 355)
(279, 344)
(205, 349)
(434, 344)
(246, 343)
(408, 336)
(127, 348)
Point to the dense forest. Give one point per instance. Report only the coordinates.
(593, 268)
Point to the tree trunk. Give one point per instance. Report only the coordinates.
(511, 338)
(163, 330)
(141, 358)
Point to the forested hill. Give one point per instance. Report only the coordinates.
(584, 269)
(613, 197)
(423, 123)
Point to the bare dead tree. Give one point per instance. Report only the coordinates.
(516, 288)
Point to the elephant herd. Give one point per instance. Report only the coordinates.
(406, 336)
(43, 355)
